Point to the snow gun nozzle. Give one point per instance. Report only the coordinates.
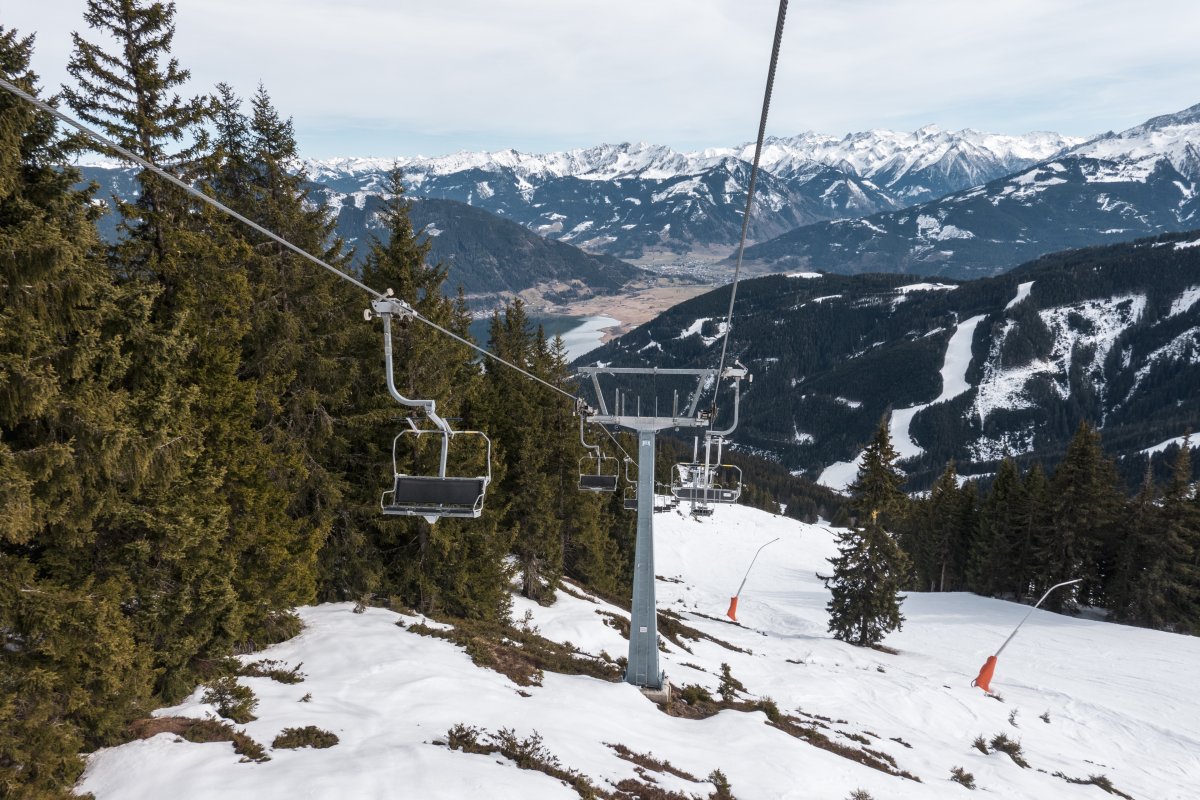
(732, 612)
(984, 679)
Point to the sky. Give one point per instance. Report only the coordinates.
(404, 78)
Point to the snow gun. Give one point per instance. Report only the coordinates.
(984, 679)
(733, 601)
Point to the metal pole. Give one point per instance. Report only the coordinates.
(1035, 607)
(643, 669)
(756, 552)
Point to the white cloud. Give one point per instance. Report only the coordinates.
(398, 77)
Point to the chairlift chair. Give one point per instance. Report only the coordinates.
(440, 495)
(597, 472)
(704, 481)
(429, 496)
(630, 500)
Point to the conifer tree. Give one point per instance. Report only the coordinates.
(877, 486)
(71, 672)
(518, 413)
(131, 94)
(201, 534)
(1155, 578)
(1033, 531)
(993, 563)
(868, 573)
(870, 568)
(1083, 513)
(940, 538)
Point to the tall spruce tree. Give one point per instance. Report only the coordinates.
(1155, 579)
(870, 568)
(201, 537)
(132, 94)
(71, 672)
(868, 573)
(877, 485)
(1033, 531)
(1084, 511)
(517, 414)
(994, 561)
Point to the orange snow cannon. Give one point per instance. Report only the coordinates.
(984, 679)
(732, 612)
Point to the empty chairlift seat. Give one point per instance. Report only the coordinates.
(433, 496)
(706, 494)
(440, 495)
(597, 472)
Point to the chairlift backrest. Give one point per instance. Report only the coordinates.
(436, 496)
(598, 473)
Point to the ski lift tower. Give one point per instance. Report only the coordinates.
(643, 669)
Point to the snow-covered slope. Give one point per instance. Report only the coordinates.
(1084, 698)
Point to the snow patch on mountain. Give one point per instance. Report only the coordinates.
(1178, 441)
(954, 382)
(1185, 301)
(1184, 348)
(1023, 291)
(1089, 328)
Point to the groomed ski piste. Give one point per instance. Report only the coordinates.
(1082, 697)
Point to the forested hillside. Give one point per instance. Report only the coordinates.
(1102, 335)
(194, 422)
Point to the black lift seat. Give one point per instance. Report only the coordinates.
(697, 494)
(422, 496)
(598, 483)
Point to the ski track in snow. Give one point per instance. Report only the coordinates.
(954, 383)
(1117, 698)
(838, 476)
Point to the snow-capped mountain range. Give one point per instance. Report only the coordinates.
(629, 198)
(1115, 187)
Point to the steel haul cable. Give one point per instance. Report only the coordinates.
(193, 191)
(762, 130)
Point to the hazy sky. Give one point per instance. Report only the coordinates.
(400, 77)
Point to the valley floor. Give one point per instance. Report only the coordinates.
(1083, 698)
(631, 308)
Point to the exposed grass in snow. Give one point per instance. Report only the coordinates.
(521, 655)
(790, 712)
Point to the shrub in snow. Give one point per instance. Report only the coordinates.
(860, 794)
(308, 736)
(721, 787)
(233, 701)
(275, 670)
(729, 684)
(960, 775)
(1001, 743)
